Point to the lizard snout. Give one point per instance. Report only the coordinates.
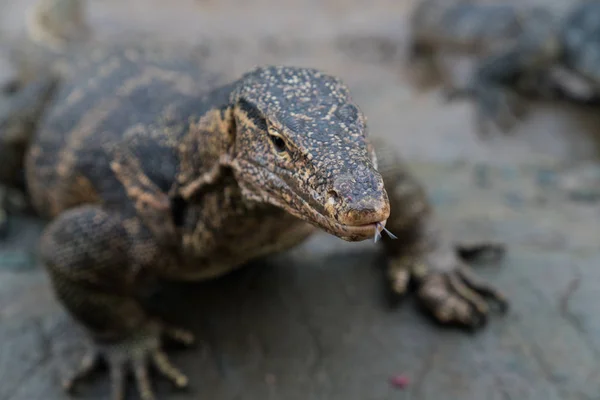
(358, 200)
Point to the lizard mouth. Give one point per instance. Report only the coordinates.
(314, 213)
(350, 233)
(307, 209)
(356, 232)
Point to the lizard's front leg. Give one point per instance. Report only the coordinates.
(447, 288)
(95, 269)
(499, 77)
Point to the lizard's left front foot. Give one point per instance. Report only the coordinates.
(448, 289)
(496, 107)
(138, 354)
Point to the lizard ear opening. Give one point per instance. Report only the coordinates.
(253, 114)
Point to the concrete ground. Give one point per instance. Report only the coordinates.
(313, 323)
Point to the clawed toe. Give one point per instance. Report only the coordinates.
(139, 364)
(458, 297)
(167, 369)
(117, 380)
(140, 371)
(483, 289)
(136, 356)
(492, 251)
(88, 364)
(447, 306)
(179, 335)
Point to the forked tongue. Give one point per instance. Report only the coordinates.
(378, 228)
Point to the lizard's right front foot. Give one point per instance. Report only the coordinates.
(448, 289)
(137, 353)
(495, 107)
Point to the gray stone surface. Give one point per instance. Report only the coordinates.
(314, 323)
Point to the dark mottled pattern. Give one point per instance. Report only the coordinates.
(150, 170)
(112, 98)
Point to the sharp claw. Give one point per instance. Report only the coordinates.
(162, 363)
(452, 301)
(86, 367)
(460, 311)
(140, 370)
(483, 288)
(468, 294)
(478, 321)
(503, 305)
(471, 252)
(117, 380)
(137, 354)
(179, 335)
(443, 315)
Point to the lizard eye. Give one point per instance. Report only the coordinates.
(278, 143)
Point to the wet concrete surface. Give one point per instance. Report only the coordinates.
(314, 323)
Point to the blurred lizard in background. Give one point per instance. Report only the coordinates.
(521, 52)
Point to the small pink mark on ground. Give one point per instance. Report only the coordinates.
(400, 381)
(270, 379)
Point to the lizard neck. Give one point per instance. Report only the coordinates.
(208, 144)
(205, 150)
(209, 148)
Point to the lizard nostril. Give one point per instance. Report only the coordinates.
(332, 197)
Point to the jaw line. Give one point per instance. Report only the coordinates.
(346, 232)
(311, 215)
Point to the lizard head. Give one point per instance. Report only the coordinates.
(301, 145)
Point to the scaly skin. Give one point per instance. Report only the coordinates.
(148, 169)
(196, 179)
